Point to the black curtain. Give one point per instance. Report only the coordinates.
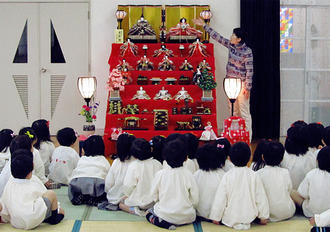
(261, 20)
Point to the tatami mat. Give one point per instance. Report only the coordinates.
(103, 215)
(89, 226)
(64, 226)
(287, 226)
(72, 212)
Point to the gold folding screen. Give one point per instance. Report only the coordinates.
(153, 14)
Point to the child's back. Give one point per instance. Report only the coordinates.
(137, 182)
(277, 183)
(115, 177)
(6, 136)
(64, 158)
(211, 159)
(240, 197)
(64, 161)
(177, 195)
(91, 166)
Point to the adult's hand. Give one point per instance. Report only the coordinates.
(246, 93)
(199, 22)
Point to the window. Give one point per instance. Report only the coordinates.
(305, 64)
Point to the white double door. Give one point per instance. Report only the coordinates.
(43, 50)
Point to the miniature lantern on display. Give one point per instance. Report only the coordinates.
(232, 87)
(206, 15)
(120, 15)
(87, 87)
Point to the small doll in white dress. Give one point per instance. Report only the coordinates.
(208, 133)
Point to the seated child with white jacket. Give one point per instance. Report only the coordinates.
(87, 181)
(225, 145)
(25, 202)
(64, 158)
(115, 177)
(137, 182)
(277, 183)
(39, 168)
(313, 194)
(211, 159)
(240, 198)
(6, 136)
(44, 144)
(297, 158)
(174, 190)
(19, 142)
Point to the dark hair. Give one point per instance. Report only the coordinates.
(157, 147)
(21, 164)
(141, 149)
(29, 132)
(124, 143)
(241, 34)
(174, 136)
(66, 136)
(240, 154)
(257, 155)
(273, 155)
(210, 157)
(20, 142)
(323, 159)
(299, 123)
(174, 153)
(326, 136)
(41, 129)
(295, 142)
(314, 134)
(94, 146)
(225, 143)
(6, 136)
(191, 142)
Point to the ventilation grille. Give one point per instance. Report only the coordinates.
(21, 82)
(56, 85)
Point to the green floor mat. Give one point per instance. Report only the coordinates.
(103, 215)
(61, 191)
(72, 212)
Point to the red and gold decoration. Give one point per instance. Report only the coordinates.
(197, 48)
(128, 47)
(235, 130)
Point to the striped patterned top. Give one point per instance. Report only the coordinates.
(240, 59)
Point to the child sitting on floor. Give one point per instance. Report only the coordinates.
(257, 161)
(225, 145)
(115, 177)
(240, 198)
(211, 159)
(192, 145)
(64, 158)
(19, 142)
(157, 145)
(87, 181)
(277, 183)
(38, 165)
(174, 190)
(43, 144)
(137, 182)
(297, 157)
(25, 202)
(6, 136)
(314, 191)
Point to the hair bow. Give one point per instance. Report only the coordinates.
(220, 145)
(31, 136)
(12, 135)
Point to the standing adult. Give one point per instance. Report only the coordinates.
(240, 64)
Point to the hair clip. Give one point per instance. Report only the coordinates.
(220, 145)
(31, 136)
(150, 142)
(219, 138)
(12, 135)
(76, 133)
(47, 123)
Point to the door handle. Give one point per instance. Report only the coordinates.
(43, 70)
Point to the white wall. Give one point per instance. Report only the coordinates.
(103, 22)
